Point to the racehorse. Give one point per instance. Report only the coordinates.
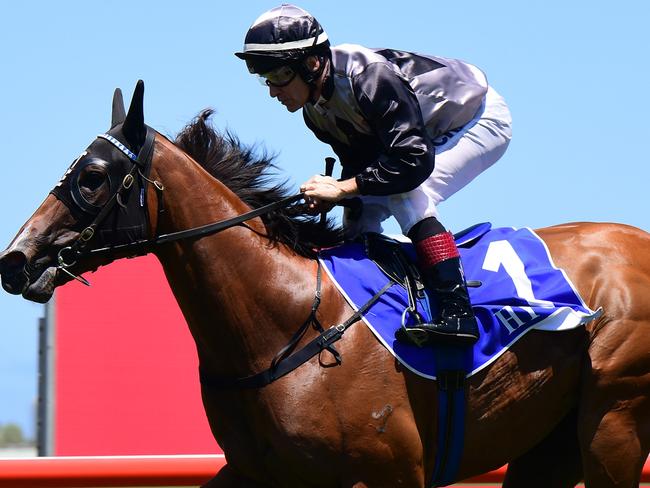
(558, 407)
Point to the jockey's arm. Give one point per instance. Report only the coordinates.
(406, 155)
(391, 108)
(322, 192)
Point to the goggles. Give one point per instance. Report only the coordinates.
(278, 77)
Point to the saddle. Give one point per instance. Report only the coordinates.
(392, 259)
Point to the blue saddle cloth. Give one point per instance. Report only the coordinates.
(521, 290)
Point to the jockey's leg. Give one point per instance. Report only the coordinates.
(461, 155)
(443, 275)
(366, 218)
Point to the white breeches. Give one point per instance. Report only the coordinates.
(460, 157)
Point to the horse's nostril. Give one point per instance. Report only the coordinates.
(12, 271)
(12, 263)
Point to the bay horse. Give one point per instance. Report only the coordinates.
(558, 407)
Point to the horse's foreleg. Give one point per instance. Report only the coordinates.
(229, 478)
(555, 461)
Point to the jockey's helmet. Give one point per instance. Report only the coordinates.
(280, 40)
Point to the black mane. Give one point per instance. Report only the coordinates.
(249, 177)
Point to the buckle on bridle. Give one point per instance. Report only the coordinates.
(128, 181)
(86, 234)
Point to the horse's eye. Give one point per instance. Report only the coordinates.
(91, 180)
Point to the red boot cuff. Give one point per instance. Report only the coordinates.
(436, 249)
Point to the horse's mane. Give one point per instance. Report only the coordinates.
(249, 177)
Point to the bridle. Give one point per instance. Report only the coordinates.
(288, 358)
(140, 164)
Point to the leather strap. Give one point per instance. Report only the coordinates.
(451, 363)
(323, 341)
(145, 246)
(69, 255)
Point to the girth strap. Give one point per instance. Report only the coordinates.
(452, 366)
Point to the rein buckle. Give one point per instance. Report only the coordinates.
(87, 234)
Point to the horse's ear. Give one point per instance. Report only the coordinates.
(133, 128)
(119, 114)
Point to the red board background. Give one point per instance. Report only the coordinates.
(126, 379)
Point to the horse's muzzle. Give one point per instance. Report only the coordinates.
(13, 270)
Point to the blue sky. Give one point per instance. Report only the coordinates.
(575, 75)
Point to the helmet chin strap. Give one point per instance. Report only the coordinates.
(315, 77)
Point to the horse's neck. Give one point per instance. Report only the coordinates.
(242, 298)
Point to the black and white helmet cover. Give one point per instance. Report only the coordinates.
(283, 35)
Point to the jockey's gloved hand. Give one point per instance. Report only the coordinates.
(313, 207)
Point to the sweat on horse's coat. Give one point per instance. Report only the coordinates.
(578, 401)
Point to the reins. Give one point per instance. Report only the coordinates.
(145, 246)
(286, 360)
(68, 256)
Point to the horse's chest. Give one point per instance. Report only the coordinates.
(272, 449)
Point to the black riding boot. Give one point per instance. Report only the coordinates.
(455, 323)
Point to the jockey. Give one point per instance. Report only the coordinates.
(409, 129)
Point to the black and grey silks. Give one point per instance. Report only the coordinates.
(382, 109)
